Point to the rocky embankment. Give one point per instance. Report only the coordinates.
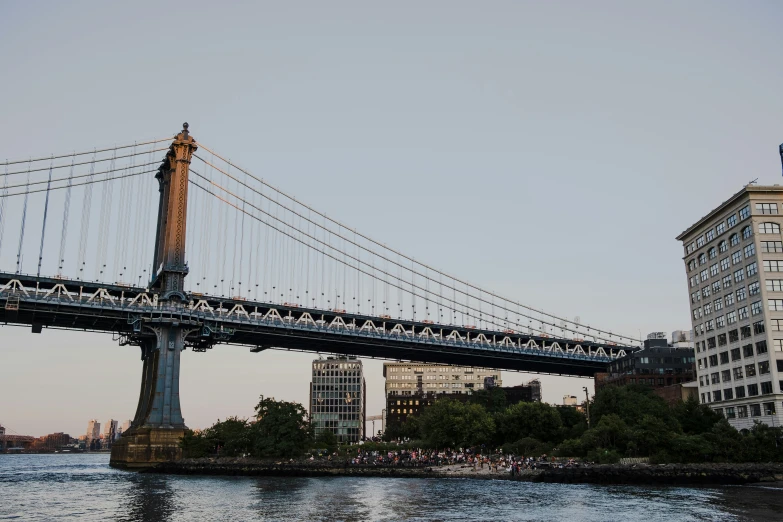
(664, 474)
(642, 474)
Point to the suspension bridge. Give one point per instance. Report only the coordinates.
(264, 270)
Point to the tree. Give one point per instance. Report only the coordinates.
(695, 418)
(493, 399)
(630, 403)
(448, 423)
(529, 419)
(282, 429)
(326, 439)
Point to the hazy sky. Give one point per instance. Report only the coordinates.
(550, 151)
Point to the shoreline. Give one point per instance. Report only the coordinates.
(633, 474)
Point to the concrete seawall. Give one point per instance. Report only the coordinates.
(704, 474)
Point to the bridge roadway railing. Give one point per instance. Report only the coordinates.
(224, 316)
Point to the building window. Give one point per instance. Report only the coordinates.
(774, 285)
(777, 344)
(723, 246)
(747, 350)
(766, 208)
(753, 390)
(716, 396)
(724, 357)
(758, 326)
(710, 235)
(730, 410)
(752, 269)
(700, 242)
(721, 228)
(718, 304)
(755, 308)
(744, 332)
(720, 323)
(747, 232)
(772, 247)
(710, 325)
(733, 336)
(706, 291)
(714, 378)
(707, 309)
(755, 410)
(741, 294)
(704, 275)
(749, 250)
(769, 228)
(744, 212)
(732, 220)
(736, 257)
(726, 281)
(739, 275)
(754, 288)
(750, 371)
(735, 354)
(722, 340)
(712, 253)
(716, 286)
(761, 347)
(739, 391)
(725, 375)
(769, 408)
(775, 305)
(731, 317)
(711, 343)
(734, 240)
(763, 370)
(742, 312)
(742, 411)
(773, 266)
(714, 270)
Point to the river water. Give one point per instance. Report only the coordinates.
(83, 487)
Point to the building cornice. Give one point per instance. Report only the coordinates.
(723, 206)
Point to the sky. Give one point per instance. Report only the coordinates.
(549, 151)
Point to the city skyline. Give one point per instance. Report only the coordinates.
(493, 140)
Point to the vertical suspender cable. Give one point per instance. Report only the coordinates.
(2, 209)
(46, 212)
(66, 214)
(24, 218)
(85, 226)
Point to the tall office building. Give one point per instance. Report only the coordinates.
(109, 432)
(413, 378)
(338, 398)
(93, 430)
(123, 428)
(734, 263)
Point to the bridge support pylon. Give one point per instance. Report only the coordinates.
(158, 425)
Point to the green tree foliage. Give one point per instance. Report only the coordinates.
(448, 423)
(493, 399)
(574, 422)
(281, 429)
(630, 403)
(326, 439)
(529, 419)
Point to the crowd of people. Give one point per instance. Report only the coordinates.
(494, 462)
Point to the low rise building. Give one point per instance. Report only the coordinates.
(656, 365)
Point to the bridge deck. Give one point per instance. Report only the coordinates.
(124, 310)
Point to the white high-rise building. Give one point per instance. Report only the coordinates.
(734, 263)
(93, 430)
(110, 431)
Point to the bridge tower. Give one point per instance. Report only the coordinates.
(158, 425)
